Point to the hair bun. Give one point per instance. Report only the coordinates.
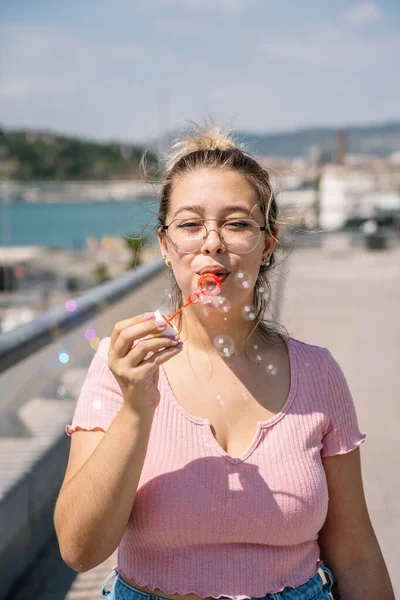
(208, 137)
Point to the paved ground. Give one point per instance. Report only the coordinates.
(348, 303)
(51, 579)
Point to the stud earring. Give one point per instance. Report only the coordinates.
(266, 261)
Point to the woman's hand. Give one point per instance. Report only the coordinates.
(135, 355)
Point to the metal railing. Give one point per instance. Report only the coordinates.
(18, 344)
(39, 455)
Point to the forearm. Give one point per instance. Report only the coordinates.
(93, 508)
(366, 580)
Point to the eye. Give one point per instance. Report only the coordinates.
(238, 224)
(189, 225)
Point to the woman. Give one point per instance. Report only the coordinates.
(226, 464)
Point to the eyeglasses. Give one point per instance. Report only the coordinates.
(238, 235)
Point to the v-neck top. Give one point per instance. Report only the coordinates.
(260, 425)
(207, 523)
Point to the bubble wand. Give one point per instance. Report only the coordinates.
(209, 285)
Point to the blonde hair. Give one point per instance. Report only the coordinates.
(208, 137)
(211, 147)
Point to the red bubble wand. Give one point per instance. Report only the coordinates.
(209, 285)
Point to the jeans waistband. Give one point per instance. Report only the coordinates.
(322, 581)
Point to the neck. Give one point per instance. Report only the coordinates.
(202, 324)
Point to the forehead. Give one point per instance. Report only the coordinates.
(212, 190)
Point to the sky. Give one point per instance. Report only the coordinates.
(129, 69)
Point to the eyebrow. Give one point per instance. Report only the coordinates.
(226, 209)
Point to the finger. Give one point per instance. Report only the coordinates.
(152, 363)
(129, 335)
(153, 345)
(121, 325)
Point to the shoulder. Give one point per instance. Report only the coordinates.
(310, 354)
(314, 368)
(318, 359)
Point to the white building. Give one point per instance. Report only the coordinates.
(337, 189)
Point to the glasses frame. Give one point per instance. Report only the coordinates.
(165, 228)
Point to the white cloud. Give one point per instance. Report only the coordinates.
(329, 48)
(22, 86)
(110, 87)
(363, 13)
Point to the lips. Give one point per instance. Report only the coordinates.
(217, 269)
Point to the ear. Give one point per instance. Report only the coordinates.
(162, 242)
(270, 241)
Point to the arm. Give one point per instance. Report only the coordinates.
(88, 520)
(104, 469)
(347, 540)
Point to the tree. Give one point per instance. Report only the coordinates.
(136, 244)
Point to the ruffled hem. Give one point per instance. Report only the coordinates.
(69, 430)
(347, 450)
(186, 591)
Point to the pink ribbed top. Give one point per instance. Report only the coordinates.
(204, 522)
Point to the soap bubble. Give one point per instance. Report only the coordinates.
(203, 299)
(71, 305)
(220, 400)
(206, 312)
(90, 334)
(259, 358)
(224, 345)
(223, 304)
(272, 369)
(243, 280)
(61, 390)
(249, 313)
(244, 396)
(261, 289)
(96, 404)
(255, 347)
(63, 357)
(209, 284)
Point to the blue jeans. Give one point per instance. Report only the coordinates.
(317, 588)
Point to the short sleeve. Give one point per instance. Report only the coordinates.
(343, 433)
(100, 398)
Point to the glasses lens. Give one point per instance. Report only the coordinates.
(187, 235)
(238, 235)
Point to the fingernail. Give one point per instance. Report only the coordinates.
(149, 315)
(180, 345)
(176, 337)
(161, 323)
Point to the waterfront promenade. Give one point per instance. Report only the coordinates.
(349, 303)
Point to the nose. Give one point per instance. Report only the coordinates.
(213, 243)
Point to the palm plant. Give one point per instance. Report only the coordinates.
(136, 244)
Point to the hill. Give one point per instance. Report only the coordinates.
(28, 155)
(381, 139)
(377, 140)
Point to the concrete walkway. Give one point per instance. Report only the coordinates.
(348, 303)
